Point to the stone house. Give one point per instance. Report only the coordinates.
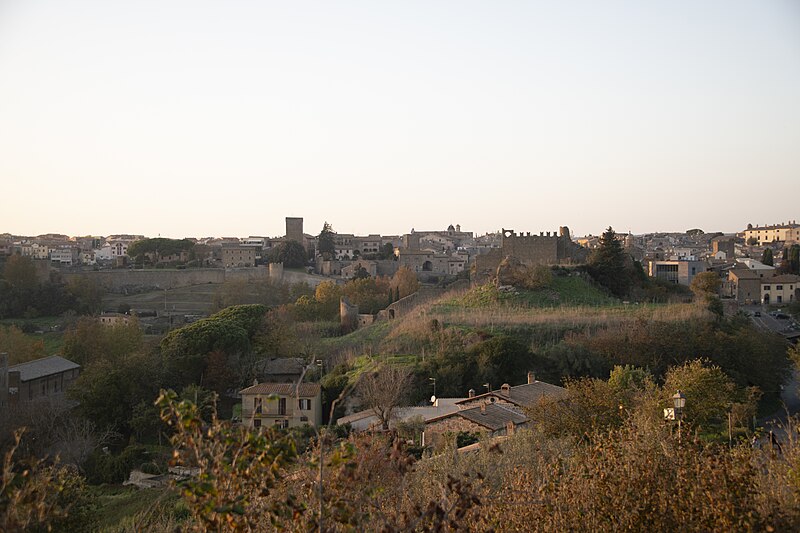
(518, 397)
(429, 261)
(282, 404)
(485, 419)
(494, 413)
(744, 284)
(47, 378)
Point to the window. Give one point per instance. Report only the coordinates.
(257, 405)
(257, 423)
(305, 404)
(282, 406)
(778, 287)
(283, 424)
(766, 287)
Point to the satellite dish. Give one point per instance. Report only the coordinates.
(433, 399)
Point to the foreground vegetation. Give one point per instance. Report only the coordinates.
(600, 459)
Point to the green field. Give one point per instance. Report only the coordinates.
(195, 299)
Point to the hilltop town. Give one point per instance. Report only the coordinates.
(436, 342)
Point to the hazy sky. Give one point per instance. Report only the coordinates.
(221, 118)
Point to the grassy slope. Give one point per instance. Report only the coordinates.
(563, 291)
(544, 316)
(118, 505)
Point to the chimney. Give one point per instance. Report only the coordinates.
(483, 408)
(471, 393)
(510, 428)
(505, 389)
(531, 377)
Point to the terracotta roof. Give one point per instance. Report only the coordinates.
(284, 389)
(47, 366)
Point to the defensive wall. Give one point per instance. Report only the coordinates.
(123, 279)
(547, 248)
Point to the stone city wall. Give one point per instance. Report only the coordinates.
(122, 279)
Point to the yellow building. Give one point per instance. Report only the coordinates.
(282, 404)
(780, 289)
(777, 233)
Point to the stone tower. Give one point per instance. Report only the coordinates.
(294, 229)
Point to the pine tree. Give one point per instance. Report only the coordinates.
(325, 243)
(766, 257)
(608, 264)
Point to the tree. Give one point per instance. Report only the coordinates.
(19, 347)
(92, 341)
(290, 253)
(360, 273)
(382, 391)
(766, 257)
(20, 272)
(325, 242)
(387, 251)
(709, 392)
(608, 263)
(327, 295)
(369, 294)
(88, 295)
(706, 284)
(790, 263)
(155, 249)
(404, 282)
(108, 393)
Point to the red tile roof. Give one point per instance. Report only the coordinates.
(284, 389)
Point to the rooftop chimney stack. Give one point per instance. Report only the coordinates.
(531, 377)
(505, 389)
(483, 408)
(471, 393)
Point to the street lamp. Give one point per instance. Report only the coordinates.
(679, 401)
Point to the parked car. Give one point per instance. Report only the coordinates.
(757, 313)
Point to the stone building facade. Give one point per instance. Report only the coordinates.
(238, 256)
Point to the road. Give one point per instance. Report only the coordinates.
(790, 396)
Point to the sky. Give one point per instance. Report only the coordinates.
(194, 118)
